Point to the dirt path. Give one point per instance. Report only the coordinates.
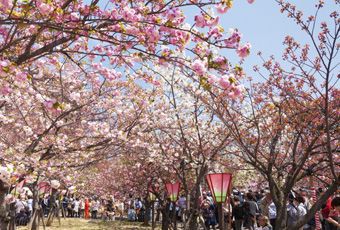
(81, 224)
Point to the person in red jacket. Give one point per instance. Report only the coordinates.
(87, 209)
(333, 219)
(327, 208)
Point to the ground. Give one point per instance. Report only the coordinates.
(82, 224)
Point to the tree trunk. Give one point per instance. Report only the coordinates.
(166, 216)
(194, 201)
(193, 224)
(194, 208)
(36, 209)
(281, 218)
(52, 208)
(146, 212)
(12, 212)
(4, 220)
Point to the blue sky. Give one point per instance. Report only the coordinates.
(263, 25)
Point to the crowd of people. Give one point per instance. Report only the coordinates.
(69, 206)
(249, 210)
(257, 211)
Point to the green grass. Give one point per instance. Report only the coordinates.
(82, 224)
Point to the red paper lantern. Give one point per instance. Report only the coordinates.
(173, 190)
(219, 185)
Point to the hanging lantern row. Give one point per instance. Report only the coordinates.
(219, 185)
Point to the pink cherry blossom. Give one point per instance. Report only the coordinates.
(234, 39)
(74, 16)
(5, 90)
(200, 21)
(224, 83)
(212, 79)
(222, 9)
(244, 51)
(6, 4)
(49, 104)
(199, 67)
(216, 32)
(45, 8)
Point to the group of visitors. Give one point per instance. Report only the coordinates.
(249, 210)
(80, 207)
(136, 209)
(257, 211)
(23, 209)
(94, 208)
(68, 206)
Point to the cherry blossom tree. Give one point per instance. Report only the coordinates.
(120, 32)
(286, 125)
(62, 104)
(60, 118)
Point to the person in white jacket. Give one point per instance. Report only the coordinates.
(272, 214)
